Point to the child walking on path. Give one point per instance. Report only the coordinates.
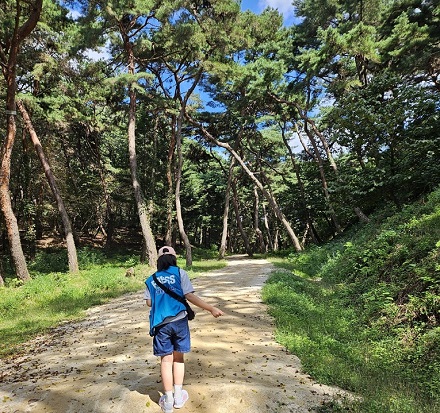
(169, 325)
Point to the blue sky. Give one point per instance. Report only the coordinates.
(257, 6)
(283, 6)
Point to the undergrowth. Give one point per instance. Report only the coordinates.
(362, 312)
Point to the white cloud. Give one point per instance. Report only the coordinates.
(100, 54)
(74, 14)
(285, 7)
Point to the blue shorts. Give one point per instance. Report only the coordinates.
(172, 337)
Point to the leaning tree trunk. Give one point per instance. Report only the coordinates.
(9, 68)
(71, 248)
(272, 202)
(323, 141)
(318, 160)
(302, 190)
(178, 182)
(362, 217)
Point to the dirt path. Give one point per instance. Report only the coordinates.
(104, 363)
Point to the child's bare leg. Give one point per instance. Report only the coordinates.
(179, 373)
(166, 371)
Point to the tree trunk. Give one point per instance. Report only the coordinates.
(178, 182)
(323, 141)
(302, 190)
(276, 240)
(143, 210)
(16, 249)
(183, 101)
(2, 281)
(259, 234)
(170, 192)
(266, 225)
(362, 217)
(272, 202)
(9, 68)
(223, 242)
(71, 248)
(108, 226)
(318, 160)
(236, 204)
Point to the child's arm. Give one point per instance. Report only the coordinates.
(192, 298)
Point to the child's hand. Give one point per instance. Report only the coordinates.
(216, 312)
(192, 298)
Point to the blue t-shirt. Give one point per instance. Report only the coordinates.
(165, 308)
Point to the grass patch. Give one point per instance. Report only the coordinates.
(51, 298)
(199, 267)
(312, 325)
(362, 312)
(315, 323)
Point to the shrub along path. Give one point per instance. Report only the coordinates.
(105, 363)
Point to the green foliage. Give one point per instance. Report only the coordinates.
(369, 68)
(50, 261)
(55, 259)
(362, 311)
(49, 299)
(388, 131)
(411, 32)
(203, 191)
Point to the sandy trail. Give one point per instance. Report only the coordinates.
(105, 363)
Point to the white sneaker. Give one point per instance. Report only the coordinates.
(179, 403)
(167, 407)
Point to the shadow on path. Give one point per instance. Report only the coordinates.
(105, 363)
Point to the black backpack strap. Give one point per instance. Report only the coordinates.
(176, 296)
(168, 291)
